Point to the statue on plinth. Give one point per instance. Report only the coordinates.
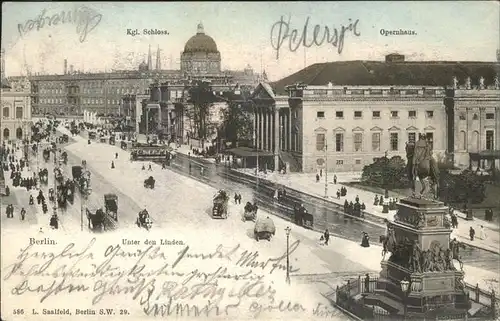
(421, 165)
(455, 83)
(497, 82)
(481, 83)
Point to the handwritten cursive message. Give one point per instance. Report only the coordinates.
(85, 19)
(162, 281)
(280, 32)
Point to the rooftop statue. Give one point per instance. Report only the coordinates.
(421, 164)
(481, 83)
(455, 83)
(468, 83)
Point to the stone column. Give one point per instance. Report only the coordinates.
(276, 138)
(261, 129)
(270, 130)
(254, 141)
(289, 138)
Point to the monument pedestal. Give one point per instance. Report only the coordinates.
(419, 243)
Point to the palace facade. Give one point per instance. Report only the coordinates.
(340, 116)
(105, 93)
(15, 121)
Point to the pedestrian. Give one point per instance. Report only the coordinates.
(235, 198)
(482, 233)
(367, 283)
(31, 201)
(327, 236)
(143, 167)
(23, 213)
(338, 194)
(116, 155)
(471, 233)
(149, 167)
(201, 170)
(357, 199)
(334, 179)
(317, 178)
(112, 164)
(321, 172)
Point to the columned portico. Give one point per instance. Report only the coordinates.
(272, 125)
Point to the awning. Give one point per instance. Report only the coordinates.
(485, 154)
(249, 152)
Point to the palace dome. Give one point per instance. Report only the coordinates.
(201, 42)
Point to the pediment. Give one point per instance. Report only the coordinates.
(264, 92)
(320, 129)
(412, 129)
(376, 129)
(429, 128)
(339, 129)
(394, 129)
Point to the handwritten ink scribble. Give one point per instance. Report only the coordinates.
(162, 281)
(86, 20)
(280, 32)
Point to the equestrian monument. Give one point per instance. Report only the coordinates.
(420, 255)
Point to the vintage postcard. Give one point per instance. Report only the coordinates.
(250, 160)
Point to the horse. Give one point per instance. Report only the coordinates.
(423, 166)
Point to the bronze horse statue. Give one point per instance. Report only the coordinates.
(421, 164)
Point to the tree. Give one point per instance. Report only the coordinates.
(386, 173)
(237, 124)
(466, 187)
(202, 97)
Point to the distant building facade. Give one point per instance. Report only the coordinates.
(15, 121)
(106, 93)
(340, 116)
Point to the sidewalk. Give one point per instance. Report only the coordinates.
(307, 184)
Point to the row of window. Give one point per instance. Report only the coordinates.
(463, 116)
(475, 140)
(358, 141)
(376, 114)
(74, 90)
(6, 112)
(88, 101)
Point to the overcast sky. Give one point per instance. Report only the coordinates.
(444, 31)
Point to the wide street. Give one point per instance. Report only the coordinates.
(351, 229)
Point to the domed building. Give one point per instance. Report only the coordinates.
(200, 55)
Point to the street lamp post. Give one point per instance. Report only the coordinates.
(55, 181)
(405, 284)
(326, 169)
(287, 230)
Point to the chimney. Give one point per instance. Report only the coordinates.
(394, 58)
(65, 66)
(71, 69)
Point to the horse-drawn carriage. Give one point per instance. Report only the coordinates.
(64, 157)
(123, 145)
(250, 212)
(43, 176)
(143, 220)
(149, 183)
(264, 229)
(104, 220)
(92, 135)
(112, 140)
(64, 139)
(220, 203)
(46, 154)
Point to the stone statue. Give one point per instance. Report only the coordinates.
(421, 165)
(415, 257)
(455, 83)
(497, 82)
(468, 83)
(481, 83)
(449, 260)
(421, 220)
(426, 261)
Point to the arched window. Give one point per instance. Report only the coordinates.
(463, 140)
(6, 133)
(5, 112)
(19, 133)
(475, 141)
